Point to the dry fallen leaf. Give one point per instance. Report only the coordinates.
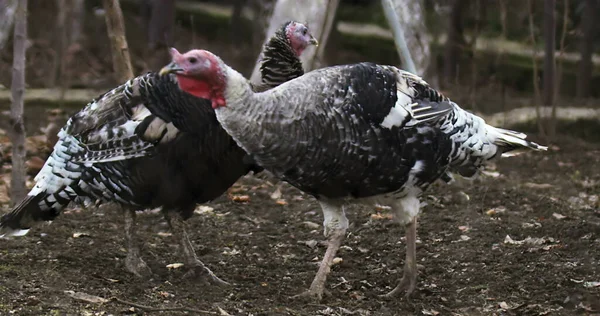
(493, 174)
(496, 210)
(281, 202)
(86, 297)
(336, 260)
(558, 216)
(165, 294)
(240, 198)
(203, 209)
(503, 305)
(276, 195)
(592, 284)
(381, 216)
(311, 225)
(174, 265)
(538, 185)
(380, 207)
(77, 235)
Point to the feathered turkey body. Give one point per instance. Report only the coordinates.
(358, 133)
(145, 144)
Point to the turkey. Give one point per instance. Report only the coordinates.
(147, 144)
(361, 133)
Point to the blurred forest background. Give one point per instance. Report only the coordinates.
(479, 49)
(529, 63)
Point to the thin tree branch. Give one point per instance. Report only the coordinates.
(116, 32)
(394, 22)
(160, 309)
(559, 70)
(17, 130)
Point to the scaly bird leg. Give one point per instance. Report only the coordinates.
(408, 283)
(134, 263)
(197, 268)
(335, 226)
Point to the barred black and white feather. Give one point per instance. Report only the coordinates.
(279, 62)
(360, 131)
(144, 144)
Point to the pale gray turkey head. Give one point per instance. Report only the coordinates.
(298, 36)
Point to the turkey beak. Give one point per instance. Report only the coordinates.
(170, 68)
(313, 41)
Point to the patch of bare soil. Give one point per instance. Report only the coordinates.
(523, 240)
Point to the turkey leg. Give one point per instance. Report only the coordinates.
(197, 268)
(134, 262)
(335, 226)
(408, 282)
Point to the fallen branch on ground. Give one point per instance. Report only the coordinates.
(161, 309)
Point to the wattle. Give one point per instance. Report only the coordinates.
(195, 87)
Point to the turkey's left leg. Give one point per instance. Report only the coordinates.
(134, 262)
(408, 209)
(335, 225)
(197, 267)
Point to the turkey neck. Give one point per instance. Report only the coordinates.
(259, 121)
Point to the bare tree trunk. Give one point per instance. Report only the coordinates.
(586, 48)
(549, 47)
(318, 14)
(17, 183)
(116, 33)
(235, 24)
(536, 87)
(77, 20)
(500, 59)
(407, 21)
(7, 17)
(559, 70)
(455, 40)
(162, 19)
(479, 12)
(160, 32)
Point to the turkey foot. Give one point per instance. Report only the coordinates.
(136, 265)
(197, 269)
(408, 283)
(134, 262)
(315, 292)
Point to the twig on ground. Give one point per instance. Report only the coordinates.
(160, 309)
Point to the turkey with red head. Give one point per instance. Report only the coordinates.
(148, 144)
(361, 133)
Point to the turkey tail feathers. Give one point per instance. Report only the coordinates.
(513, 143)
(20, 219)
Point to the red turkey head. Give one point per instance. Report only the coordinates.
(299, 37)
(199, 73)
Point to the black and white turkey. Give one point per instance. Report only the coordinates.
(147, 144)
(361, 133)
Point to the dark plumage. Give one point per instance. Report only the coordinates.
(279, 60)
(145, 144)
(361, 133)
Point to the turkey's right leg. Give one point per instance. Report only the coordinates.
(197, 267)
(134, 262)
(335, 225)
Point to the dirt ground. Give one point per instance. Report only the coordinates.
(523, 240)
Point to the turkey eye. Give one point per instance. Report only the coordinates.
(304, 31)
(192, 60)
